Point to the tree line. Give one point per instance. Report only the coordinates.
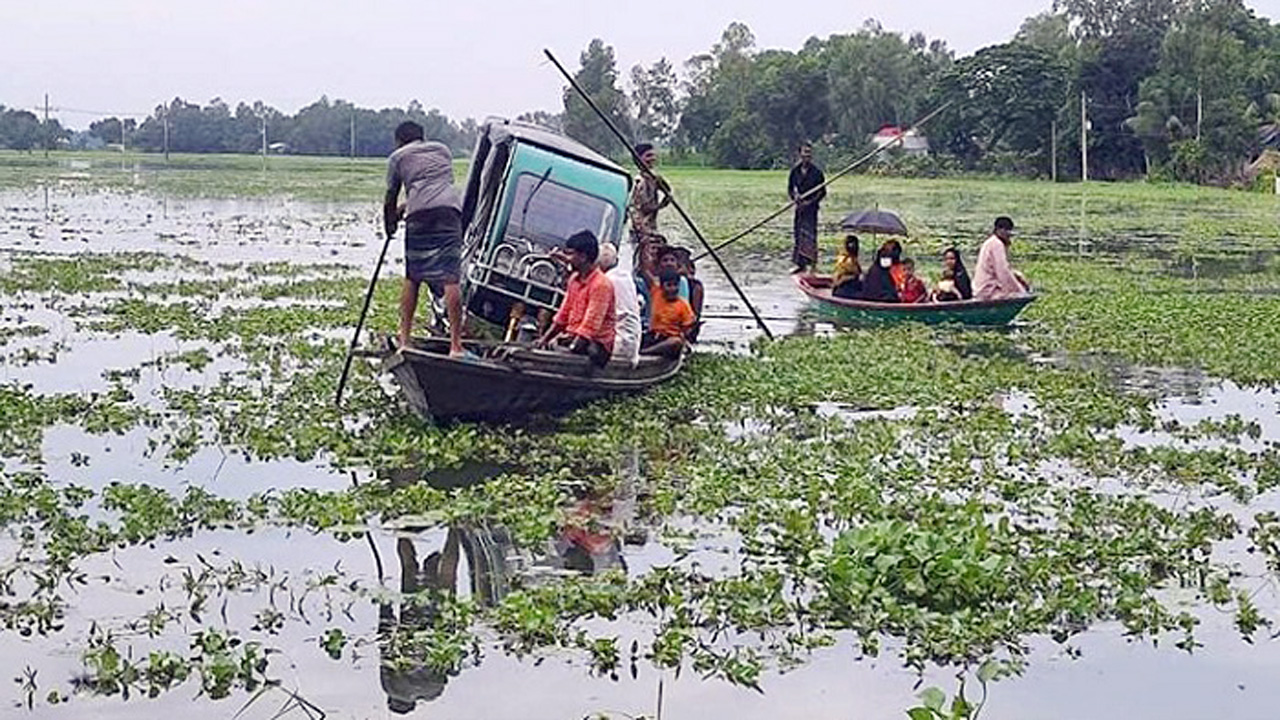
(1179, 89)
(322, 128)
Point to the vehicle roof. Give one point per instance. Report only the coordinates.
(551, 140)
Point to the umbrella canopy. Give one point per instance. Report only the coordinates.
(882, 222)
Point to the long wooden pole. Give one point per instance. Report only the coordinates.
(364, 311)
(679, 210)
(812, 191)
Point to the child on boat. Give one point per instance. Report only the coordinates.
(913, 288)
(672, 319)
(846, 279)
(946, 290)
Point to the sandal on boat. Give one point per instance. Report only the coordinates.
(465, 356)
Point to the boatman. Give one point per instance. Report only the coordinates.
(993, 278)
(588, 314)
(649, 194)
(805, 176)
(432, 227)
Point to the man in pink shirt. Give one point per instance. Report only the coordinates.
(993, 278)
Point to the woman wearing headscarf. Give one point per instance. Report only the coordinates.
(878, 285)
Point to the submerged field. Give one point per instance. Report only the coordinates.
(1065, 519)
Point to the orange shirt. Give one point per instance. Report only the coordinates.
(589, 308)
(899, 275)
(670, 318)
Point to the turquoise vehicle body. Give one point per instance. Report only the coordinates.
(528, 190)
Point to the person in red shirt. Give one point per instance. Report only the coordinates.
(913, 288)
(587, 314)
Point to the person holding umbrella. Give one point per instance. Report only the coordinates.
(805, 176)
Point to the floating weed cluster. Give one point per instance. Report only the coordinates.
(947, 497)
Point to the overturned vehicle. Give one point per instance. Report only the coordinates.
(527, 191)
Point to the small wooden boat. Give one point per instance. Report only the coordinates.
(508, 381)
(985, 313)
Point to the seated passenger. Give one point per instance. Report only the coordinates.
(672, 320)
(665, 257)
(893, 249)
(993, 278)
(846, 279)
(946, 290)
(878, 285)
(626, 339)
(951, 261)
(690, 275)
(913, 288)
(588, 313)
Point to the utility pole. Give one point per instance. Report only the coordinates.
(264, 141)
(45, 134)
(353, 133)
(1084, 140)
(164, 115)
(1199, 110)
(1053, 149)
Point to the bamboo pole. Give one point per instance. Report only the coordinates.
(679, 210)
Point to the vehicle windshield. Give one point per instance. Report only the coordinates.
(556, 211)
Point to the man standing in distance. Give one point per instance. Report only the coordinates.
(993, 278)
(805, 176)
(649, 194)
(432, 227)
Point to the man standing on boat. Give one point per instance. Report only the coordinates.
(993, 278)
(432, 227)
(805, 176)
(649, 194)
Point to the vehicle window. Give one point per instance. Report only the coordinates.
(557, 211)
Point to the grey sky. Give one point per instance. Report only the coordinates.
(468, 58)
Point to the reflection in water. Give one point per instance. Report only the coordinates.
(589, 542)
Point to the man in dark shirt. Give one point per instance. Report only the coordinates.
(806, 176)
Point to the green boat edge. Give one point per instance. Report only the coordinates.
(975, 313)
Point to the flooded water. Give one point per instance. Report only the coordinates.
(299, 586)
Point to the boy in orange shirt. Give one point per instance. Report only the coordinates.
(672, 319)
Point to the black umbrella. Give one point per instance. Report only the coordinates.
(881, 222)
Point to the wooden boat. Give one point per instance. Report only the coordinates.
(527, 191)
(509, 381)
(983, 313)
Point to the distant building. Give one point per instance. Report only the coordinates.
(912, 142)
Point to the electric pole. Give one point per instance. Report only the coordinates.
(264, 141)
(353, 133)
(1053, 150)
(45, 134)
(1084, 140)
(164, 116)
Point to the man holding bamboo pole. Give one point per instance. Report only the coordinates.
(806, 176)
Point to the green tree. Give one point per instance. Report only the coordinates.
(653, 97)
(1005, 98)
(598, 77)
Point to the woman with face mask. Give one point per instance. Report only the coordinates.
(878, 285)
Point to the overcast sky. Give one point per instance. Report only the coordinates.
(467, 58)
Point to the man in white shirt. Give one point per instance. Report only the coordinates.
(626, 340)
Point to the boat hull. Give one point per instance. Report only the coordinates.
(510, 382)
(977, 313)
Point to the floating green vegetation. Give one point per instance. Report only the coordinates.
(948, 497)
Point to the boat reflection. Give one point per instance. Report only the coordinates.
(480, 562)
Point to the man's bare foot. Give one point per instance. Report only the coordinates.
(403, 341)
